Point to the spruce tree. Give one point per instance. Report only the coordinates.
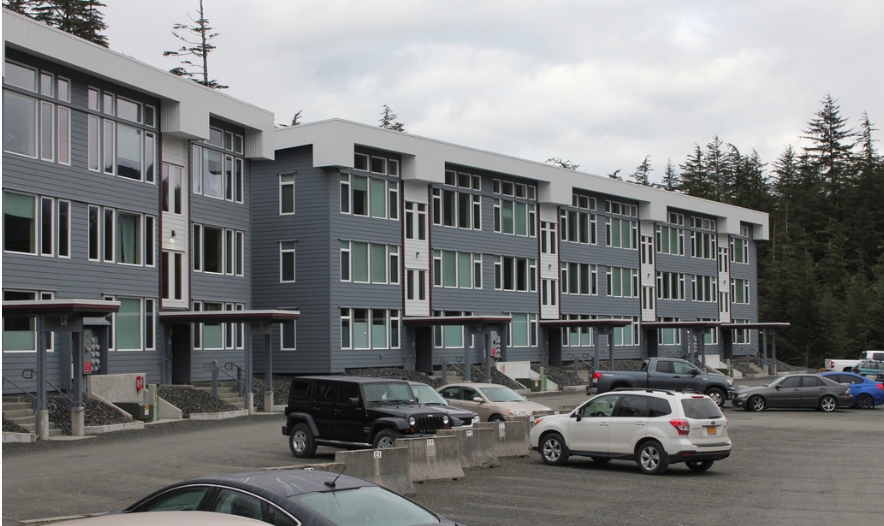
(642, 172)
(77, 17)
(831, 145)
(562, 163)
(671, 179)
(199, 48)
(388, 120)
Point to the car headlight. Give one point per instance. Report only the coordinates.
(411, 421)
(445, 419)
(730, 382)
(740, 395)
(518, 413)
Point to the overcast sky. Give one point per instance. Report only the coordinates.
(599, 83)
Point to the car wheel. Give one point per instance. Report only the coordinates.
(699, 465)
(717, 396)
(828, 404)
(553, 450)
(601, 460)
(865, 401)
(496, 418)
(651, 458)
(386, 438)
(756, 403)
(301, 441)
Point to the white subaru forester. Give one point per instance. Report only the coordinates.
(654, 427)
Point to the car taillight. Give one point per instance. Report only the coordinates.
(831, 365)
(682, 426)
(880, 386)
(596, 375)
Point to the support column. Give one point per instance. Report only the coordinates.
(485, 338)
(467, 373)
(41, 425)
(268, 376)
(596, 334)
(78, 408)
(764, 363)
(609, 333)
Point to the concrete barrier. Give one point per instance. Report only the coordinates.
(385, 467)
(475, 446)
(510, 438)
(434, 458)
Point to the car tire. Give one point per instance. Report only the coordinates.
(301, 441)
(755, 403)
(601, 460)
(553, 450)
(865, 401)
(386, 438)
(651, 458)
(717, 395)
(828, 404)
(699, 465)
(496, 418)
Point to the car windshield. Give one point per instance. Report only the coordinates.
(701, 408)
(388, 392)
(426, 395)
(366, 505)
(502, 394)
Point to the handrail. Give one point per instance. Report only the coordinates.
(240, 372)
(240, 382)
(69, 399)
(20, 388)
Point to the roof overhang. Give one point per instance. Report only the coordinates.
(603, 322)
(766, 325)
(92, 308)
(433, 321)
(681, 324)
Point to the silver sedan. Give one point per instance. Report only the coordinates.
(795, 390)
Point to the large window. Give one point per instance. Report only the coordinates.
(415, 220)
(670, 286)
(172, 180)
(669, 336)
(133, 327)
(449, 336)
(20, 333)
(740, 290)
(121, 140)
(458, 204)
(579, 278)
(548, 238)
(739, 250)
(703, 245)
(369, 262)
(670, 240)
(217, 166)
(621, 233)
(19, 223)
(512, 273)
(218, 336)
(218, 250)
(517, 214)
(577, 336)
(627, 335)
(523, 330)
(704, 288)
(370, 328)
(122, 237)
(622, 282)
(38, 128)
(741, 336)
(415, 285)
(457, 269)
(371, 196)
(173, 275)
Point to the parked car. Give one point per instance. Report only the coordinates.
(493, 402)
(866, 393)
(355, 412)
(869, 368)
(428, 397)
(653, 427)
(168, 518)
(848, 364)
(795, 391)
(290, 498)
(666, 373)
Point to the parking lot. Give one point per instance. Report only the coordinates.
(787, 467)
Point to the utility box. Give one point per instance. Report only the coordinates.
(138, 411)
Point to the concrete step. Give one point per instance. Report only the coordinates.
(226, 394)
(24, 412)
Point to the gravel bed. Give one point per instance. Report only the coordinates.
(561, 376)
(190, 400)
(11, 427)
(96, 414)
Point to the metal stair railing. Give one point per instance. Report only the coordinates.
(239, 378)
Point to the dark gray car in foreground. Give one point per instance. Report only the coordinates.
(795, 391)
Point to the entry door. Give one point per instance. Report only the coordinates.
(423, 349)
(181, 354)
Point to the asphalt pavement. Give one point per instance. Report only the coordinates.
(787, 467)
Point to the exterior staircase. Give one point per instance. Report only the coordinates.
(20, 412)
(226, 394)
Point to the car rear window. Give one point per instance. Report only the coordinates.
(700, 408)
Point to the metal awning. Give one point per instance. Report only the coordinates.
(764, 325)
(599, 322)
(432, 321)
(695, 324)
(229, 316)
(69, 307)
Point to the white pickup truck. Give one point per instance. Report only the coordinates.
(848, 365)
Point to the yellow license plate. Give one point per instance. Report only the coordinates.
(711, 430)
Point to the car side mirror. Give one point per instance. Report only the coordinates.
(477, 399)
(354, 402)
(694, 372)
(777, 387)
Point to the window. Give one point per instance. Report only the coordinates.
(670, 240)
(288, 335)
(370, 328)
(126, 149)
(287, 261)
(19, 124)
(457, 209)
(523, 330)
(579, 278)
(577, 226)
(457, 269)
(286, 194)
(133, 327)
(20, 333)
(648, 298)
(670, 286)
(415, 285)
(577, 336)
(173, 275)
(512, 273)
(704, 288)
(741, 336)
(36, 128)
(415, 220)
(622, 282)
(621, 233)
(122, 237)
(172, 179)
(669, 336)
(703, 245)
(548, 292)
(740, 290)
(514, 216)
(710, 335)
(647, 250)
(449, 336)
(218, 250)
(19, 223)
(739, 250)
(369, 196)
(723, 263)
(628, 334)
(547, 237)
(64, 229)
(128, 239)
(217, 170)
(369, 262)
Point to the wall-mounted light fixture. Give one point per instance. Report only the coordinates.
(172, 239)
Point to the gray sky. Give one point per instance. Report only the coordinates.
(602, 83)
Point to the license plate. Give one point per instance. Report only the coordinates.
(711, 431)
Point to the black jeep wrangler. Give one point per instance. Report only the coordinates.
(355, 412)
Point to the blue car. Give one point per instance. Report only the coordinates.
(866, 393)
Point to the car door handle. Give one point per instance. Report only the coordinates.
(603, 424)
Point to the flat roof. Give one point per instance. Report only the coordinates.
(695, 324)
(59, 307)
(598, 322)
(229, 316)
(432, 321)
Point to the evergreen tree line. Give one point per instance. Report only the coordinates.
(823, 268)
